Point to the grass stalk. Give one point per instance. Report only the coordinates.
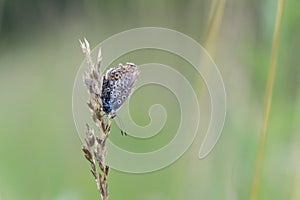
(214, 23)
(268, 101)
(95, 144)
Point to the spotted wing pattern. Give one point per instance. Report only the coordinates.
(117, 85)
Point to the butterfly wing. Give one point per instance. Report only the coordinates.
(125, 78)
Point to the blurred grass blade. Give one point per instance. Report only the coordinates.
(212, 10)
(268, 101)
(214, 23)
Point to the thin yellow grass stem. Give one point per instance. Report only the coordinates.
(268, 101)
(214, 24)
(211, 14)
(212, 30)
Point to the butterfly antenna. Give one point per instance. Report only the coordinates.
(122, 126)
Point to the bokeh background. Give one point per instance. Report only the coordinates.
(40, 150)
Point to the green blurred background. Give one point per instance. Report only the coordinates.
(40, 149)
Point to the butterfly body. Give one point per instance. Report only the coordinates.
(117, 85)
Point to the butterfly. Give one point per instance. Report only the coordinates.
(117, 86)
